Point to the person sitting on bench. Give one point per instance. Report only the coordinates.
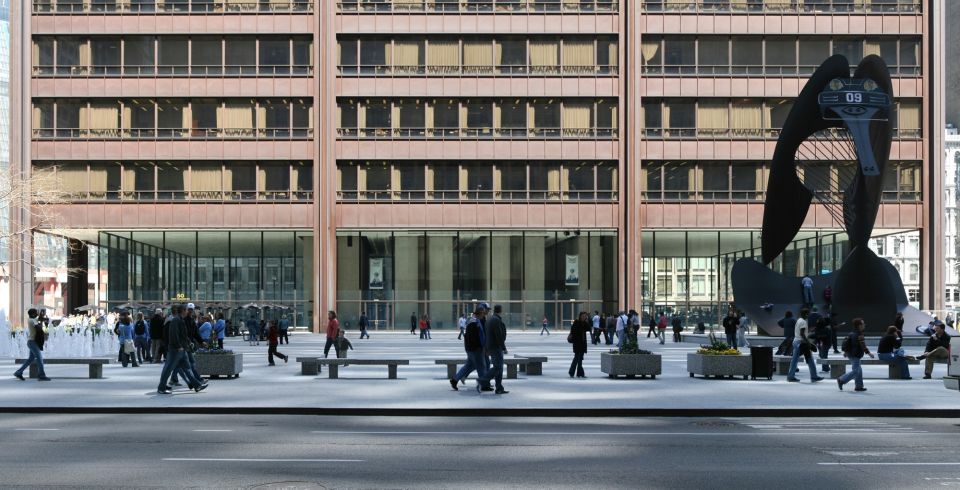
(938, 347)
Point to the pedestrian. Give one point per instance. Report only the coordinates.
(622, 323)
(125, 336)
(206, 330)
(807, 283)
(178, 344)
(158, 348)
(429, 326)
(253, 330)
(653, 326)
(473, 342)
(333, 327)
(35, 339)
(595, 328)
(362, 324)
(898, 322)
(462, 325)
(730, 323)
(220, 330)
(495, 348)
(828, 297)
(677, 324)
(802, 347)
(938, 347)
(662, 328)
(821, 334)
(854, 349)
(422, 325)
(788, 323)
(610, 329)
(949, 320)
(743, 328)
(890, 350)
(413, 322)
(141, 338)
(577, 337)
(273, 340)
(342, 345)
(544, 324)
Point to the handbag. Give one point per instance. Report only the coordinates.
(128, 347)
(570, 338)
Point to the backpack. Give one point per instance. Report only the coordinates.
(140, 329)
(847, 345)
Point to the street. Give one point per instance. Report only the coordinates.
(271, 451)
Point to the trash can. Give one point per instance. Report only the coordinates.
(761, 359)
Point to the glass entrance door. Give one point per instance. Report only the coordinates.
(379, 314)
(567, 313)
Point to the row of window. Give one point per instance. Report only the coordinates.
(746, 180)
(171, 6)
(484, 6)
(745, 118)
(477, 180)
(772, 55)
(172, 118)
(785, 6)
(175, 181)
(504, 55)
(477, 118)
(172, 55)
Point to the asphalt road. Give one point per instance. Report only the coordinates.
(271, 451)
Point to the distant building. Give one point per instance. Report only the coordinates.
(951, 210)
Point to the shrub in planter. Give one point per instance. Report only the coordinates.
(718, 359)
(630, 360)
(219, 362)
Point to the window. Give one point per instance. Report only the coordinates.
(745, 179)
(303, 56)
(170, 180)
(347, 174)
(914, 273)
(411, 181)
(170, 118)
(676, 180)
(781, 56)
(479, 180)
(716, 180)
(138, 55)
(679, 55)
(43, 62)
(479, 117)
(377, 114)
(274, 56)
(73, 56)
(513, 179)
(881, 246)
(512, 55)
(713, 55)
(852, 49)
(243, 180)
(581, 181)
(446, 181)
(374, 54)
(240, 55)
(897, 241)
(206, 56)
(813, 50)
(141, 122)
(747, 54)
(172, 55)
(652, 118)
(682, 118)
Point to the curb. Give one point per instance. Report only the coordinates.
(500, 412)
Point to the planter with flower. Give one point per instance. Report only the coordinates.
(720, 360)
(219, 362)
(630, 361)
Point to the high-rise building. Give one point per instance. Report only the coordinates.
(951, 218)
(411, 157)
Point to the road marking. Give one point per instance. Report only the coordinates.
(259, 460)
(862, 453)
(213, 430)
(885, 463)
(36, 429)
(477, 433)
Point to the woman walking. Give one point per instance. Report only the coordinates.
(273, 340)
(578, 337)
(125, 335)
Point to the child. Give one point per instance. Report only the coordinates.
(342, 344)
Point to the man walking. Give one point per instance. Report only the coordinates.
(362, 323)
(333, 328)
(284, 330)
(413, 322)
(857, 348)
(802, 346)
(157, 347)
(677, 324)
(789, 323)
(473, 342)
(621, 326)
(495, 347)
(35, 338)
(938, 347)
(177, 345)
(462, 324)
(595, 330)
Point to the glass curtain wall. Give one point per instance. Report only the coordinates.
(393, 276)
(232, 271)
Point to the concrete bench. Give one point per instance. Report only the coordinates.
(534, 365)
(512, 365)
(333, 365)
(838, 365)
(95, 366)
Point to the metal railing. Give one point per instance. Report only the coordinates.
(726, 195)
(756, 70)
(781, 7)
(475, 195)
(172, 7)
(172, 133)
(474, 133)
(136, 196)
(744, 133)
(478, 6)
(474, 70)
(170, 70)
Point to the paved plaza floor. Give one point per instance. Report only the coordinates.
(423, 385)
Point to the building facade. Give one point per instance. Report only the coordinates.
(411, 157)
(951, 217)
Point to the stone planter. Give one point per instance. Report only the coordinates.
(719, 366)
(216, 365)
(630, 365)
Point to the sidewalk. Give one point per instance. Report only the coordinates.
(423, 388)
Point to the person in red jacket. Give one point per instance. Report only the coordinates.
(333, 327)
(273, 340)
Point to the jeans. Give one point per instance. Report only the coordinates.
(742, 338)
(619, 339)
(676, 336)
(158, 350)
(272, 351)
(662, 335)
(35, 356)
(326, 347)
(363, 333)
(496, 372)
(823, 347)
(732, 339)
(460, 337)
(475, 362)
(899, 357)
(284, 336)
(856, 373)
(796, 358)
(141, 344)
(576, 367)
(544, 329)
(191, 364)
(177, 363)
(808, 295)
(608, 337)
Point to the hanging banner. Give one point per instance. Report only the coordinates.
(376, 273)
(573, 270)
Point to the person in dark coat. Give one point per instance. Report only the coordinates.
(158, 348)
(578, 337)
